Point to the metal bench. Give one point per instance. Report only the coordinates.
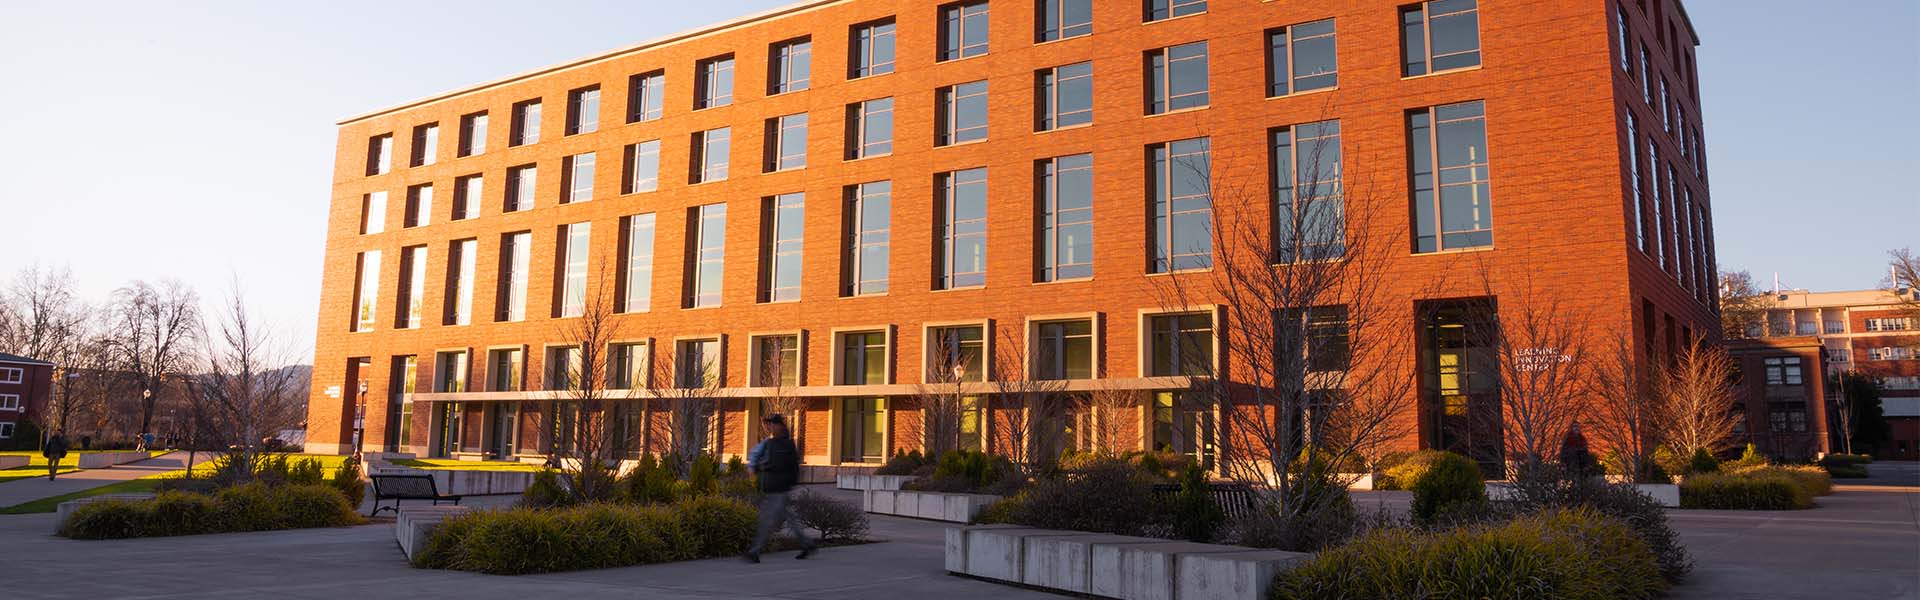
(1234, 499)
(406, 487)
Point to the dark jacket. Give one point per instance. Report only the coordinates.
(780, 466)
(56, 447)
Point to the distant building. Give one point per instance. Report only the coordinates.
(1779, 382)
(24, 385)
(1867, 331)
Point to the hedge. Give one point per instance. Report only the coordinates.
(251, 507)
(1564, 554)
(1755, 490)
(588, 536)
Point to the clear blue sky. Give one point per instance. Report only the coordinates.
(195, 140)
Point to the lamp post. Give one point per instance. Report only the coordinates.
(360, 421)
(146, 399)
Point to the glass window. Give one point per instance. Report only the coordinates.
(963, 113)
(627, 366)
(710, 154)
(963, 30)
(792, 66)
(779, 359)
(1066, 350)
(426, 144)
(419, 206)
(516, 255)
(379, 154)
(871, 128)
(1182, 206)
(868, 234)
(1452, 200)
(579, 178)
(373, 213)
(1061, 19)
(1065, 96)
(714, 86)
(1623, 34)
(1167, 9)
(872, 50)
(452, 375)
(1181, 344)
(1177, 78)
(505, 367)
(413, 286)
(956, 354)
(1309, 219)
(963, 229)
(699, 363)
(526, 123)
(467, 194)
(863, 358)
(1783, 370)
(787, 142)
(462, 257)
(368, 291)
(643, 167)
(520, 185)
(1318, 336)
(1439, 35)
(1633, 179)
(1301, 58)
(783, 223)
(646, 93)
(1066, 217)
(638, 296)
(863, 429)
(473, 134)
(583, 110)
(708, 250)
(573, 278)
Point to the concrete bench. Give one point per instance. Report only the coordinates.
(1115, 566)
(871, 482)
(14, 461)
(414, 523)
(65, 509)
(936, 506)
(102, 460)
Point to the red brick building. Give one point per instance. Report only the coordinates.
(855, 185)
(1783, 409)
(24, 387)
(1875, 333)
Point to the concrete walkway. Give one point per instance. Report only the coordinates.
(34, 488)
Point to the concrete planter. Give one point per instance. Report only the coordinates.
(1667, 494)
(414, 523)
(102, 460)
(871, 482)
(1361, 481)
(14, 462)
(937, 506)
(832, 473)
(1114, 566)
(65, 509)
(462, 482)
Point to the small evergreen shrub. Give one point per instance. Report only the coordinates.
(1451, 486)
(1195, 515)
(546, 491)
(106, 520)
(306, 471)
(1750, 458)
(902, 463)
(346, 479)
(715, 526)
(703, 475)
(1399, 470)
(1744, 491)
(1702, 462)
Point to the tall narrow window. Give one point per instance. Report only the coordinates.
(583, 110)
(1666, 118)
(1657, 238)
(713, 83)
(379, 154)
(963, 113)
(574, 246)
(419, 206)
(1066, 218)
(1439, 35)
(413, 287)
(1646, 76)
(505, 368)
(963, 30)
(1308, 212)
(526, 123)
(368, 290)
(467, 193)
(426, 145)
(698, 364)
(579, 183)
(791, 66)
(1181, 344)
(778, 358)
(564, 368)
(786, 146)
(870, 128)
(461, 258)
(1061, 19)
(520, 185)
(1177, 78)
(1452, 201)
(451, 377)
(1156, 10)
(1301, 58)
(1065, 351)
(956, 354)
(1633, 179)
(872, 51)
(782, 228)
(373, 213)
(1065, 96)
(643, 167)
(710, 149)
(1182, 206)
(1623, 34)
(706, 254)
(864, 256)
(473, 134)
(863, 358)
(516, 254)
(627, 366)
(646, 94)
(637, 295)
(963, 229)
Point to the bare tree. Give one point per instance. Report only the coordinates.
(1903, 273)
(40, 314)
(1033, 436)
(1627, 414)
(246, 386)
(1539, 359)
(586, 415)
(1106, 406)
(943, 396)
(87, 372)
(775, 395)
(1696, 400)
(1743, 306)
(154, 328)
(692, 397)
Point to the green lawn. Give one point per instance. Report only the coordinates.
(41, 461)
(131, 486)
(465, 465)
(18, 473)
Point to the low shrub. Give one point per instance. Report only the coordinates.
(1647, 518)
(1814, 480)
(1744, 491)
(1566, 554)
(587, 536)
(703, 475)
(1104, 497)
(650, 482)
(546, 491)
(250, 507)
(1702, 462)
(1399, 470)
(902, 463)
(834, 519)
(1850, 466)
(1196, 517)
(306, 471)
(443, 547)
(1848, 471)
(1650, 470)
(1314, 519)
(1451, 485)
(1847, 459)
(715, 526)
(107, 520)
(968, 471)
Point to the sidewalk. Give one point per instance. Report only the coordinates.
(35, 488)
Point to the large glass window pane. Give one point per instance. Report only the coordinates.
(872, 49)
(964, 113)
(1066, 96)
(1309, 219)
(646, 96)
(715, 85)
(1060, 19)
(580, 177)
(518, 256)
(788, 149)
(869, 211)
(644, 167)
(1066, 350)
(872, 128)
(782, 248)
(1182, 206)
(1178, 78)
(709, 253)
(639, 269)
(1167, 9)
(573, 287)
(956, 354)
(1440, 35)
(1453, 204)
(963, 30)
(583, 111)
(963, 229)
(1066, 218)
(792, 64)
(713, 146)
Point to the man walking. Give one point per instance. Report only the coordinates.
(55, 449)
(777, 462)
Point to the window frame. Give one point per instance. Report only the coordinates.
(525, 128)
(1059, 11)
(636, 261)
(1160, 68)
(576, 188)
(709, 80)
(1427, 57)
(1172, 9)
(779, 131)
(1051, 223)
(858, 237)
(1164, 257)
(701, 252)
(1301, 196)
(777, 253)
(473, 134)
(957, 22)
(1282, 60)
(1050, 86)
(948, 130)
(1433, 173)
(782, 59)
(705, 148)
(646, 96)
(583, 110)
(635, 179)
(863, 41)
(952, 231)
(861, 119)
